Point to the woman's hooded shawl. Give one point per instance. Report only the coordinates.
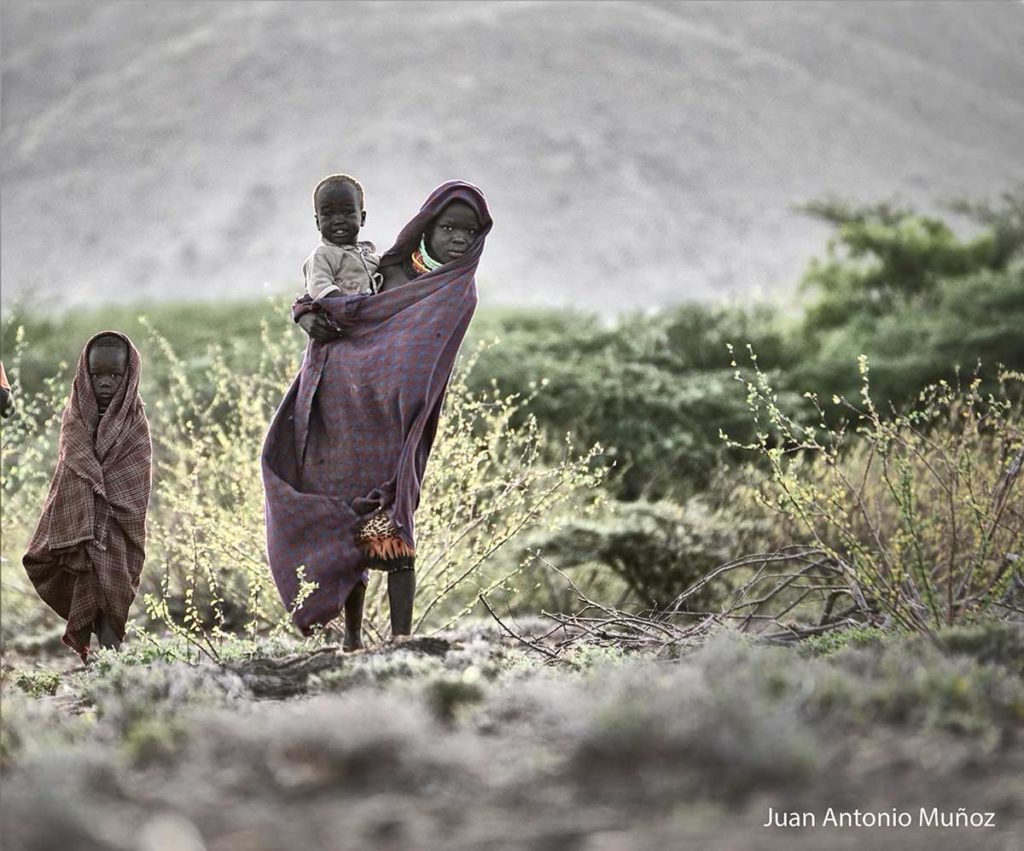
(354, 431)
(89, 545)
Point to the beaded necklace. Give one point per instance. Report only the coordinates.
(421, 261)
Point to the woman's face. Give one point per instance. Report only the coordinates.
(453, 232)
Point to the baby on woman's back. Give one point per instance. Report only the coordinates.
(340, 264)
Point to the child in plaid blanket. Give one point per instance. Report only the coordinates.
(85, 558)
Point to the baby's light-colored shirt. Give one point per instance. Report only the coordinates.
(345, 269)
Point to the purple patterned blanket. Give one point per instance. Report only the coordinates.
(355, 428)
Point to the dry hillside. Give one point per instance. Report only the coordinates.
(634, 153)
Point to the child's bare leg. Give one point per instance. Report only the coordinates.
(105, 633)
(401, 590)
(354, 618)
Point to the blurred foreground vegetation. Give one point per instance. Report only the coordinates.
(469, 740)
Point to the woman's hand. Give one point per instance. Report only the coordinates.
(317, 327)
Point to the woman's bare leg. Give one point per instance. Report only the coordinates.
(354, 618)
(401, 590)
(105, 633)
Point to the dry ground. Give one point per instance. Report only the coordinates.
(467, 741)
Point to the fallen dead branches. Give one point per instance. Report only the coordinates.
(793, 593)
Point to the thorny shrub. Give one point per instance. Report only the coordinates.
(922, 510)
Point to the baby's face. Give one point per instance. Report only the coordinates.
(107, 366)
(338, 214)
(453, 232)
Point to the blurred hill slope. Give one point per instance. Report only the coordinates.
(634, 153)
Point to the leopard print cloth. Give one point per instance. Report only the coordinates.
(382, 546)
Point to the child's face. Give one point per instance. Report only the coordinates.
(453, 232)
(338, 214)
(107, 366)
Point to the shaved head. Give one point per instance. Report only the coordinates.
(108, 341)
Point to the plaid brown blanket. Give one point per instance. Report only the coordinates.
(87, 551)
(354, 431)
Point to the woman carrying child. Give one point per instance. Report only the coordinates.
(346, 451)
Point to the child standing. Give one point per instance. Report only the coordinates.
(85, 558)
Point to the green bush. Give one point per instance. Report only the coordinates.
(38, 683)
(993, 642)
(658, 549)
(832, 642)
(655, 388)
(234, 327)
(976, 318)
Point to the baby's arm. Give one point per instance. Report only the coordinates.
(309, 315)
(319, 273)
(318, 326)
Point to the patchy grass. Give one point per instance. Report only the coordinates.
(832, 642)
(37, 683)
(997, 642)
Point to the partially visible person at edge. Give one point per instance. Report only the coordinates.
(348, 447)
(6, 396)
(85, 558)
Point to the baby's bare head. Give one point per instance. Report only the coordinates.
(340, 210)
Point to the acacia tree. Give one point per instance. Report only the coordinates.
(904, 289)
